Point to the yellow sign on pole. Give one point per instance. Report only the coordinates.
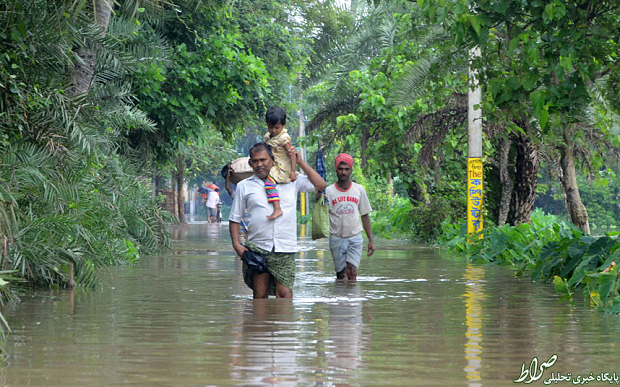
(303, 203)
(474, 195)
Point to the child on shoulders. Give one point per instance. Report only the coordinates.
(283, 170)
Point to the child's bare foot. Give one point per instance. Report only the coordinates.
(276, 214)
(293, 176)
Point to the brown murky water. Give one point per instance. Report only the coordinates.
(413, 318)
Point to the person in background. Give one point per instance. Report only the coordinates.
(212, 199)
(347, 201)
(275, 239)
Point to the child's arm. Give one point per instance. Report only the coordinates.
(292, 173)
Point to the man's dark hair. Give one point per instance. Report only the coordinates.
(217, 190)
(274, 115)
(261, 146)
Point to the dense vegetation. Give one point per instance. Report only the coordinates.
(548, 249)
(394, 93)
(97, 97)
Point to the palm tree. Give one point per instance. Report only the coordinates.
(435, 55)
(379, 32)
(73, 199)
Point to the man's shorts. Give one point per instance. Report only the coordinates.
(346, 250)
(211, 211)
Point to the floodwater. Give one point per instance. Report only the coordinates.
(414, 318)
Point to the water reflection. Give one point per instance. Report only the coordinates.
(279, 343)
(265, 350)
(414, 317)
(474, 294)
(345, 329)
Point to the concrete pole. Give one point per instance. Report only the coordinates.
(474, 115)
(302, 130)
(474, 151)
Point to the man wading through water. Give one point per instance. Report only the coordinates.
(276, 239)
(347, 201)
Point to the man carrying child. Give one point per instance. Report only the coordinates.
(274, 238)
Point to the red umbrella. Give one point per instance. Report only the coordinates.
(212, 186)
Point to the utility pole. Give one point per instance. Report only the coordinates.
(474, 150)
(302, 129)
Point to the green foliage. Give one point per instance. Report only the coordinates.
(443, 206)
(580, 45)
(202, 90)
(602, 199)
(507, 244)
(100, 215)
(304, 219)
(585, 263)
(395, 222)
(69, 195)
(390, 102)
(228, 62)
(420, 221)
(395, 94)
(548, 249)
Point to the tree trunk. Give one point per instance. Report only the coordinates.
(181, 188)
(364, 144)
(505, 180)
(83, 73)
(175, 195)
(526, 180)
(564, 195)
(159, 182)
(418, 192)
(390, 184)
(71, 279)
(574, 207)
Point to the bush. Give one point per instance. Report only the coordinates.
(548, 249)
(603, 204)
(395, 222)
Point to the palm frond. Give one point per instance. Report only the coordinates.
(112, 93)
(127, 46)
(128, 119)
(409, 87)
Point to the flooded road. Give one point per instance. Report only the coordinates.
(413, 318)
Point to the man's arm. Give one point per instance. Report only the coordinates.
(368, 228)
(234, 235)
(236, 215)
(227, 186)
(313, 176)
(293, 158)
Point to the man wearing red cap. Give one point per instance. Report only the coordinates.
(347, 201)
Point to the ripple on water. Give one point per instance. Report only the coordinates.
(413, 318)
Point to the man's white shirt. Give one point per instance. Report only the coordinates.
(281, 232)
(212, 199)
